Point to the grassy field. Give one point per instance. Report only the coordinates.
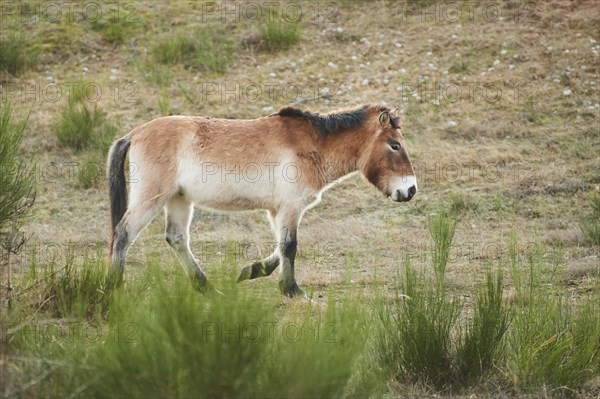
(487, 283)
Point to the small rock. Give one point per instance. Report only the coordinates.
(567, 92)
(365, 82)
(332, 65)
(452, 123)
(267, 109)
(273, 75)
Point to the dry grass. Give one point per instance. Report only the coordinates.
(521, 162)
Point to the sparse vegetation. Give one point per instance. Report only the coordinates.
(83, 126)
(163, 103)
(590, 224)
(114, 30)
(16, 53)
(92, 169)
(280, 34)
(206, 49)
(461, 203)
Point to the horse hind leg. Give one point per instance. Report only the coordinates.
(178, 214)
(133, 222)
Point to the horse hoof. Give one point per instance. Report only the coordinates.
(292, 290)
(207, 288)
(245, 274)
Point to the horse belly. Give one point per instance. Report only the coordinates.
(228, 189)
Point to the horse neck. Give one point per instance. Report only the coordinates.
(347, 152)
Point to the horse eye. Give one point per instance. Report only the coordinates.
(395, 146)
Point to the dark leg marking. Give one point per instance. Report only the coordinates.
(287, 283)
(290, 250)
(115, 273)
(121, 240)
(262, 268)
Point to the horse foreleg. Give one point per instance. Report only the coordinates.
(264, 267)
(287, 225)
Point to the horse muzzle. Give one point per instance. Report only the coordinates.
(404, 188)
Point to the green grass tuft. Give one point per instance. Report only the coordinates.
(279, 34)
(590, 224)
(114, 30)
(82, 126)
(442, 227)
(550, 342)
(205, 49)
(480, 342)
(16, 53)
(417, 326)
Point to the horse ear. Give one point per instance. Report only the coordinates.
(384, 118)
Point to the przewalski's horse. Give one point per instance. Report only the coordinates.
(282, 163)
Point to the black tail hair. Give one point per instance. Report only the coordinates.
(117, 189)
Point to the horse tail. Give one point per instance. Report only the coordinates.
(117, 189)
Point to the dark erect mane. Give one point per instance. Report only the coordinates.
(336, 122)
